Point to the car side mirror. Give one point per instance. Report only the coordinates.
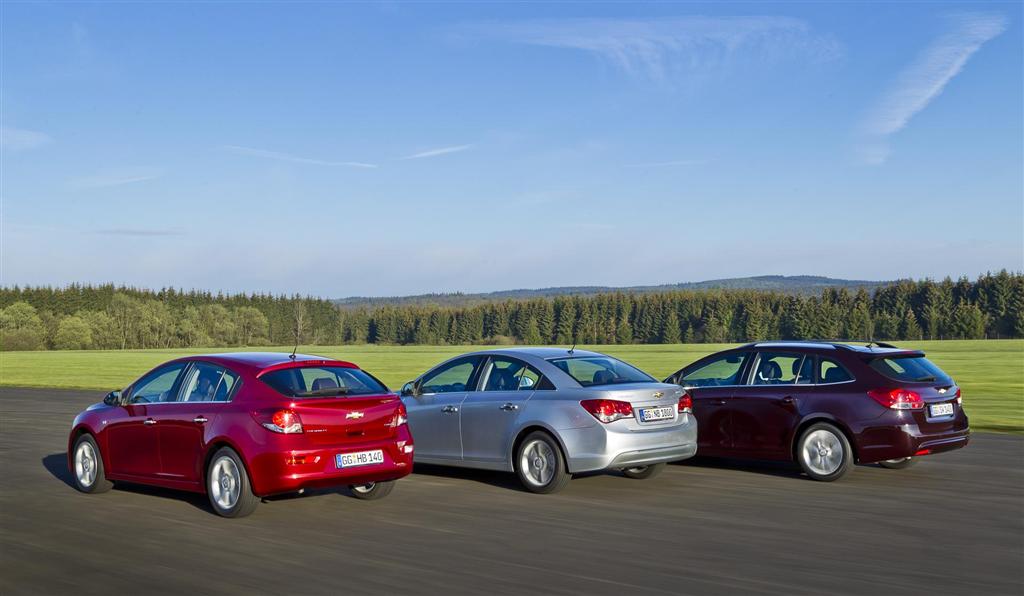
(408, 390)
(113, 398)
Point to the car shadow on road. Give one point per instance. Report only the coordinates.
(769, 468)
(494, 478)
(57, 465)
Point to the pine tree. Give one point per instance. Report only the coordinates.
(670, 327)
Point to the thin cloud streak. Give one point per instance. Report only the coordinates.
(19, 139)
(438, 151)
(655, 47)
(925, 79)
(139, 233)
(293, 158)
(115, 178)
(662, 164)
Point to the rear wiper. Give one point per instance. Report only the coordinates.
(928, 378)
(326, 392)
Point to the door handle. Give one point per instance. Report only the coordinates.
(718, 402)
(200, 419)
(149, 421)
(450, 409)
(787, 401)
(508, 407)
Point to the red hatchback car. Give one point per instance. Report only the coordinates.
(243, 426)
(826, 405)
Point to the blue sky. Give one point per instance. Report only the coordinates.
(396, 148)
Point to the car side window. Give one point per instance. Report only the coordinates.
(830, 371)
(208, 382)
(509, 374)
(156, 387)
(450, 378)
(783, 368)
(720, 371)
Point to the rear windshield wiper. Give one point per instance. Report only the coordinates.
(928, 378)
(326, 392)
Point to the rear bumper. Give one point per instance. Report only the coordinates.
(908, 440)
(600, 447)
(276, 471)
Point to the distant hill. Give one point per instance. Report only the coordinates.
(788, 284)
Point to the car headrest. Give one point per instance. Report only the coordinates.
(603, 377)
(324, 383)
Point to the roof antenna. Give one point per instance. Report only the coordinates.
(573, 348)
(295, 349)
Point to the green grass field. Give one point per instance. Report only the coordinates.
(990, 372)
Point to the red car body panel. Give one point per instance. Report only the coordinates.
(766, 421)
(162, 444)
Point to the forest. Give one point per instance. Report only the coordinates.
(80, 317)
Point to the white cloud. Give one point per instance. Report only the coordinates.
(118, 177)
(925, 78)
(19, 139)
(438, 151)
(655, 47)
(293, 158)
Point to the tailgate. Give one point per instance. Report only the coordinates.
(345, 420)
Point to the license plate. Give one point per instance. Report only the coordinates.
(361, 458)
(941, 409)
(652, 414)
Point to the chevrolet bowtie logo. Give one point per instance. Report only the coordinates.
(352, 415)
(658, 394)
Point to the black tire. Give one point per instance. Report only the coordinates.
(373, 490)
(820, 467)
(553, 463)
(92, 461)
(643, 472)
(246, 501)
(898, 464)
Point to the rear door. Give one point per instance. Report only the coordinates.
(712, 383)
(489, 415)
(182, 423)
(434, 409)
(133, 440)
(765, 410)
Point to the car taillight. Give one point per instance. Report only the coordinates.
(897, 399)
(608, 410)
(959, 400)
(401, 417)
(686, 404)
(284, 421)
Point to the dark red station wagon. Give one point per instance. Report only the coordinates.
(243, 426)
(826, 405)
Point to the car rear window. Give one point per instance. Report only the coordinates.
(914, 369)
(323, 381)
(601, 370)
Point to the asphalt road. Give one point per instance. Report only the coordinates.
(952, 524)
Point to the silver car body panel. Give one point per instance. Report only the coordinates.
(484, 430)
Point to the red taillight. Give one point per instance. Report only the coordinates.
(959, 400)
(284, 421)
(401, 417)
(686, 404)
(608, 410)
(897, 399)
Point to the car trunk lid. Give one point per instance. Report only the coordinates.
(344, 420)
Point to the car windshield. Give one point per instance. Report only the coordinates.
(910, 368)
(323, 381)
(601, 370)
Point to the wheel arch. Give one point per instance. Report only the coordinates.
(84, 429)
(532, 427)
(213, 447)
(811, 419)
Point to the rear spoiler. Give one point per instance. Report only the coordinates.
(305, 364)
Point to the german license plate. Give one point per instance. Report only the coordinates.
(360, 458)
(662, 413)
(941, 409)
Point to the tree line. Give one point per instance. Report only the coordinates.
(109, 317)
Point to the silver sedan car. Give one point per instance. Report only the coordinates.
(548, 413)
